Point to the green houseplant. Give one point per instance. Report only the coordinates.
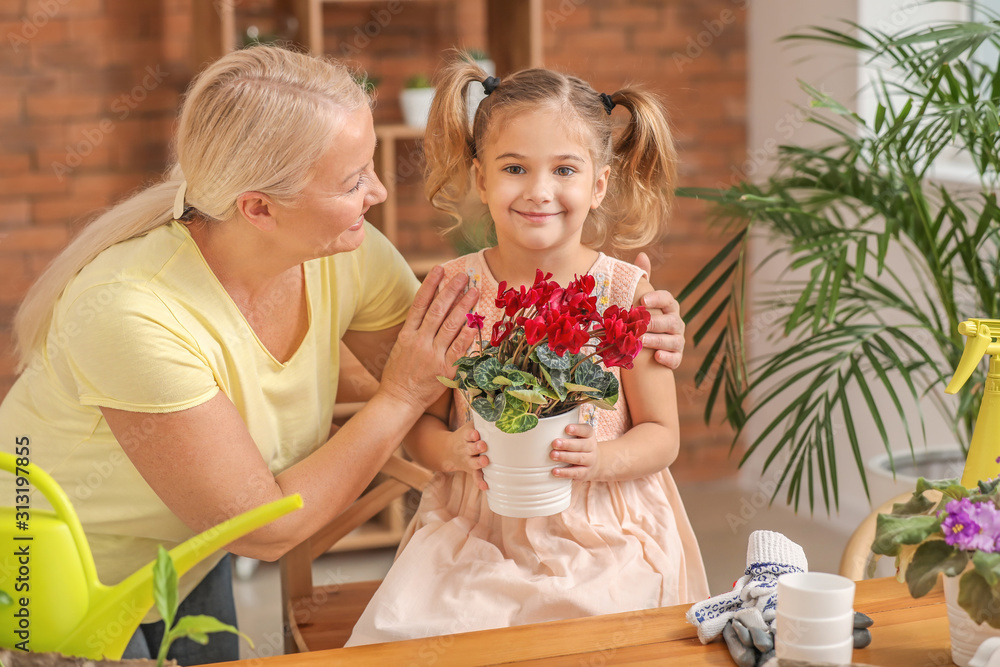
(838, 212)
(956, 533)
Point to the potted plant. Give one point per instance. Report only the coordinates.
(956, 534)
(416, 99)
(528, 381)
(838, 212)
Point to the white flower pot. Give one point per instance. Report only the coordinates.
(520, 471)
(416, 104)
(966, 636)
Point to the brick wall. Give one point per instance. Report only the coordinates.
(94, 87)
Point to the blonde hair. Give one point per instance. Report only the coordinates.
(642, 157)
(251, 121)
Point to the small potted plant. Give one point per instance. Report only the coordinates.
(528, 381)
(957, 536)
(416, 100)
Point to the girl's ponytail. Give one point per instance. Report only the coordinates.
(644, 171)
(449, 147)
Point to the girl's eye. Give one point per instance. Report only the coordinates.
(514, 169)
(565, 171)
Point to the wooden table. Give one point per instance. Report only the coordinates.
(907, 633)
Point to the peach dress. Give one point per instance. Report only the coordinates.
(621, 546)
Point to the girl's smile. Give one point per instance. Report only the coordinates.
(540, 182)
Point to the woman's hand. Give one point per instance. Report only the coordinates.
(431, 340)
(580, 450)
(666, 329)
(466, 453)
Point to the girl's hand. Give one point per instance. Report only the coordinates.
(579, 450)
(467, 453)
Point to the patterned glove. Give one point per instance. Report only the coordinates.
(753, 598)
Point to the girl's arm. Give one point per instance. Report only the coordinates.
(649, 446)
(436, 447)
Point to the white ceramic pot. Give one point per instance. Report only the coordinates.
(520, 471)
(416, 105)
(966, 636)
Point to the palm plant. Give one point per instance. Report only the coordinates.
(855, 329)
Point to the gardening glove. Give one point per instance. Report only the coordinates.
(769, 555)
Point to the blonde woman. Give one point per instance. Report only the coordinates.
(180, 358)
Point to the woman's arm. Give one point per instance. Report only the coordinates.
(204, 465)
(648, 447)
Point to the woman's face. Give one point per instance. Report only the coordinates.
(328, 217)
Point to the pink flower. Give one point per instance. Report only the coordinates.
(475, 320)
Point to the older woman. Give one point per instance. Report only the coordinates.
(180, 358)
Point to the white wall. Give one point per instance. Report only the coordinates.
(774, 71)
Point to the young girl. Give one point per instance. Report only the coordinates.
(558, 185)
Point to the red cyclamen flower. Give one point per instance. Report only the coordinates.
(475, 320)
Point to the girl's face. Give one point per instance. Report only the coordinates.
(328, 218)
(539, 181)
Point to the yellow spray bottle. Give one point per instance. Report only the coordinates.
(981, 463)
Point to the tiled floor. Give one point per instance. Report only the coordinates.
(722, 514)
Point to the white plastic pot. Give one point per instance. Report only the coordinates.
(520, 471)
(416, 105)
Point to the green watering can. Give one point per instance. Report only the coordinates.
(48, 570)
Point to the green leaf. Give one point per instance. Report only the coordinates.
(580, 387)
(165, 586)
(593, 377)
(528, 396)
(988, 566)
(611, 391)
(448, 382)
(515, 418)
(519, 377)
(502, 381)
(980, 600)
(489, 408)
(931, 559)
(196, 628)
(5, 599)
(557, 378)
(549, 358)
(892, 531)
(485, 370)
(604, 404)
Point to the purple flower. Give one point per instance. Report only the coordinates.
(988, 517)
(972, 526)
(959, 526)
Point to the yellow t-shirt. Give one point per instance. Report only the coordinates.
(147, 327)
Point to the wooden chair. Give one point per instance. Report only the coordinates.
(323, 616)
(858, 552)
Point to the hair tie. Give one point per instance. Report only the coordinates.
(490, 84)
(179, 200)
(609, 103)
